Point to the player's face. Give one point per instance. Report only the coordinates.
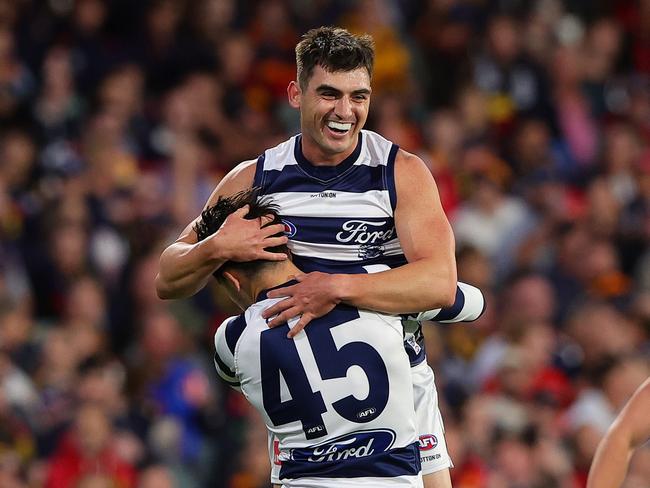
(333, 109)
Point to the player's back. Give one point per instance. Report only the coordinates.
(335, 396)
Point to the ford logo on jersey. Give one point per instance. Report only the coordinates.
(364, 232)
(289, 229)
(428, 442)
(350, 446)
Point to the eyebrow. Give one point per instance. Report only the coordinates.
(323, 88)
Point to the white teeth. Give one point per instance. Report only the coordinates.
(339, 125)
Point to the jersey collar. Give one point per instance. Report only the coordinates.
(325, 173)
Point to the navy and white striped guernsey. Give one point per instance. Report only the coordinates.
(340, 219)
(333, 396)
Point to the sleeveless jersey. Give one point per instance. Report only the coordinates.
(339, 219)
(334, 396)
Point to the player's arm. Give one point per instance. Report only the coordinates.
(186, 265)
(630, 429)
(426, 282)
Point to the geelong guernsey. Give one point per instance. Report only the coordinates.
(339, 219)
(334, 396)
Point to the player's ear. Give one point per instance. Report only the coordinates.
(293, 94)
(232, 280)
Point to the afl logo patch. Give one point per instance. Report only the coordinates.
(428, 442)
(289, 229)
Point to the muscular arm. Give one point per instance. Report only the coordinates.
(427, 282)
(630, 429)
(186, 265)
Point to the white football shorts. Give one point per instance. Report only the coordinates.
(433, 448)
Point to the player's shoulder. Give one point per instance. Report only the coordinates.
(243, 171)
(410, 170)
(407, 160)
(238, 179)
(229, 333)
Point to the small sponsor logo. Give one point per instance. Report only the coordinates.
(368, 412)
(316, 428)
(289, 229)
(428, 442)
(350, 446)
(435, 457)
(323, 194)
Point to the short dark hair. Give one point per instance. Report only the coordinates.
(212, 218)
(333, 49)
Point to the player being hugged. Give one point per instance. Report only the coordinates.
(333, 396)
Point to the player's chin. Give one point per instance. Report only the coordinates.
(342, 142)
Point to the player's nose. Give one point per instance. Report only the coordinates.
(343, 108)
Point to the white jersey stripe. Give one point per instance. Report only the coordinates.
(338, 252)
(337, 204)
(280, 156)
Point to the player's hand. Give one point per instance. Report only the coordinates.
(240, 239)
(312, 297)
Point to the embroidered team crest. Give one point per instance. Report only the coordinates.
(370, 251)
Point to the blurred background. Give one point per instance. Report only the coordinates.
(117, 119)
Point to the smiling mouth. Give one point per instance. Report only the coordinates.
(339, 127)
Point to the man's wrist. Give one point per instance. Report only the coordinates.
(344, 289)
(211, 251)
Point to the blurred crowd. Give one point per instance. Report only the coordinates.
(117, 119)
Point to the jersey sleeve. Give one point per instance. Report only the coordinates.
(468, 306)
(224, 357)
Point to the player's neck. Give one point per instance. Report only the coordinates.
(317, 157)
(272, 276)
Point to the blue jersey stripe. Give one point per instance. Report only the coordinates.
(455, 309)
(403, 461)
(309, 264)
(415, 357)
(234, 330)
(294, 179)
(390, 176)
(223, 366)
(258, 180)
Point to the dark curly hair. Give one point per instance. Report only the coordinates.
(334, 49)
(213, 217)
